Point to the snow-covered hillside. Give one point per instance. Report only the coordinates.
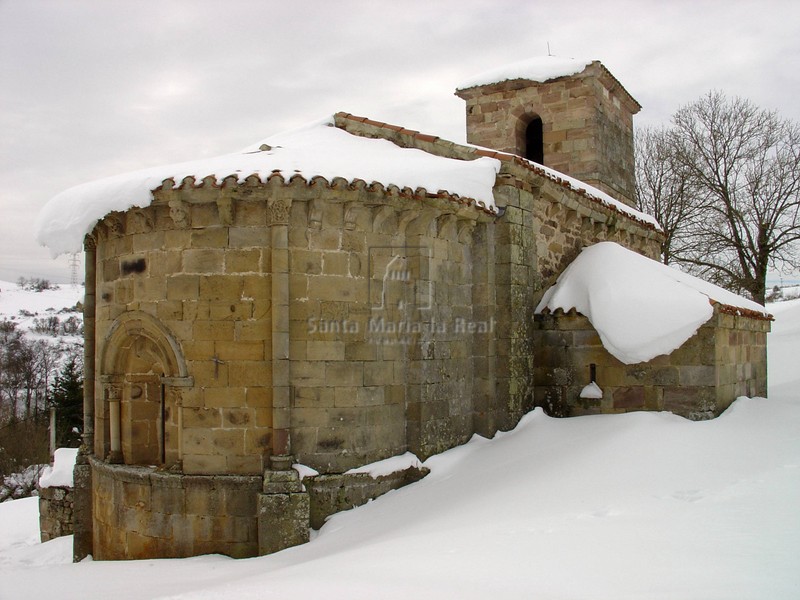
(641, 505)
(23, 306)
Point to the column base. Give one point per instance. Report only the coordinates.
(283, 512)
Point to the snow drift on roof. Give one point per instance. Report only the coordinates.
(319, 149)
(600, 195)
(640, 308)
(541, 69)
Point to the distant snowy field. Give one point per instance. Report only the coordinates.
(634, 506)
(14, 301)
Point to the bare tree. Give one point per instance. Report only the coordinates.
(664, 190)
(743, 163)
(724, 183)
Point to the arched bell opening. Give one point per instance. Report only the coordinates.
(534, 141)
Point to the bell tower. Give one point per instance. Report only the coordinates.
(570, 115)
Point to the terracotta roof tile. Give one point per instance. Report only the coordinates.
(506, 157)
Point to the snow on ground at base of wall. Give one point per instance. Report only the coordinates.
(539, 68)
(641, 308)
(387, 466)
(60, 473)
(318, 149)
(784, 346)
(19, 523)
(639, 505)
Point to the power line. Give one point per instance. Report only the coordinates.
(73, 266)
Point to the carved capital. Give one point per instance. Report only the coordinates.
(113, 392)
(278, 211)
(89, 243)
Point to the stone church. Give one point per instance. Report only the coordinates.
(244, 320)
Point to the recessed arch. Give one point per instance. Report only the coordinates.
(140, 363)
(122, 336)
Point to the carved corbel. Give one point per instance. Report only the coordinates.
(143, 220)
(351, 211)
(114, 224)
(446, 227)
(315, 210)
(465, 229)
(225, 207)
(179, 213)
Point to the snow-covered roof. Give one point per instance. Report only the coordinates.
(641, 308)
(597, 195)
(318, 149)
(540, 68)
(594, 194)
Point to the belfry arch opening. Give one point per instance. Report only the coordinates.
(534, 141)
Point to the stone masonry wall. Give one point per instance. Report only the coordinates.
(330, 494)
(55, 512)
(243, 325)
(202, 273)
(587, 125)
(741, 357)
(544, 225)
(143, 513)
(383, 325)
(698, 380)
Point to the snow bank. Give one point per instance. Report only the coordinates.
(60, 474)
(783, 346)
(540, 68)
(19, 523)
(639, 307)
(319, 149)
(390, 465)
(636, 497)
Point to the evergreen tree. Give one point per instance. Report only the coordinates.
(67, 397)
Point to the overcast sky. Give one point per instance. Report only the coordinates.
(93, 88)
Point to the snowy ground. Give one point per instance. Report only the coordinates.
(642, 505)
(23, 306)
